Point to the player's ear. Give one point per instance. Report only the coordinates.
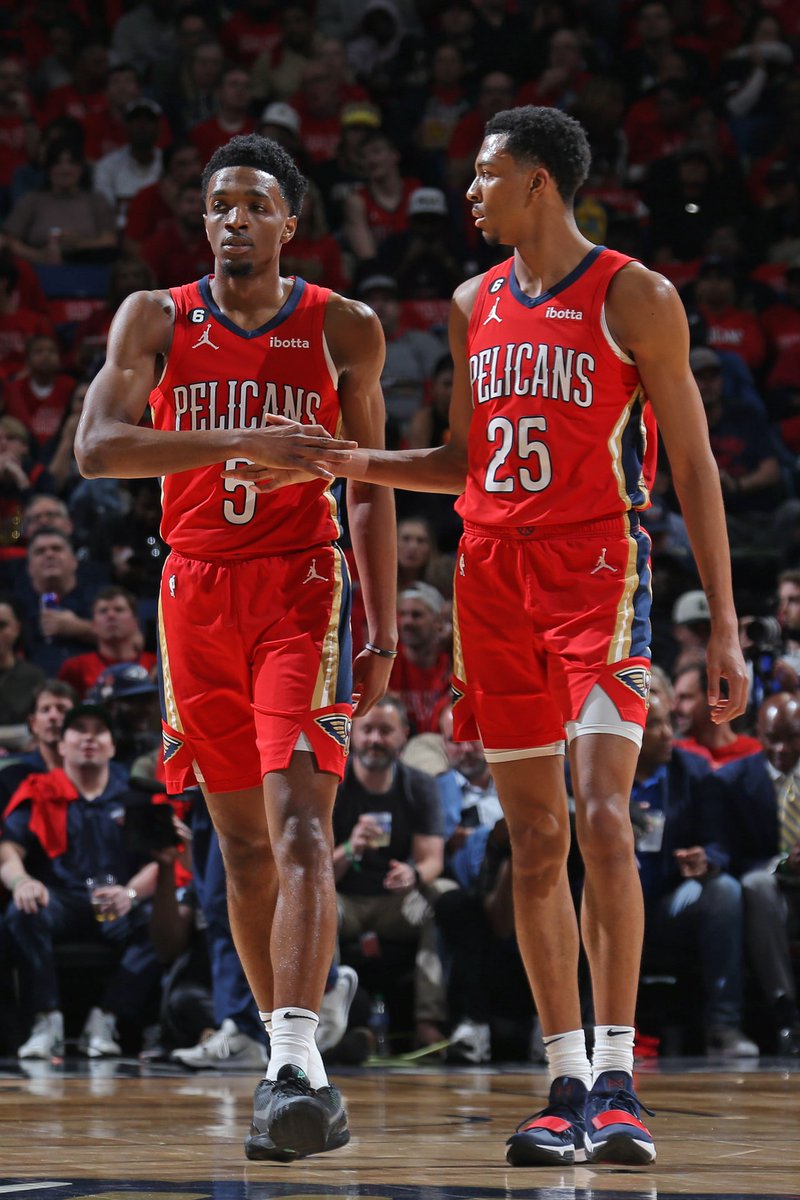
(289, 229)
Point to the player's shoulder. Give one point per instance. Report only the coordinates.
(466, 293)
(635, 284)
(155, 305)
(352, 330)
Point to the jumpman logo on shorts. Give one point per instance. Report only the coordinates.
(205, 339)
(602, 565)
(313, 573)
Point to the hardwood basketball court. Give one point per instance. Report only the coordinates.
(110, 1130)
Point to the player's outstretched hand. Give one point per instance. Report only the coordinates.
(370, 680)
(289, 445)
(267, 479)
(725, 662)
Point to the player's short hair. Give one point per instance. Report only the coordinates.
(549, 138)
(261, 153)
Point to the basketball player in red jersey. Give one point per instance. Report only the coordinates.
(245, 366)
(564, 354)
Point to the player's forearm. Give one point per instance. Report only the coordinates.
(700, 498)
(119, 450)
(370, 512)
(432, 469)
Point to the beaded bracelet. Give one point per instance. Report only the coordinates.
(373, 649)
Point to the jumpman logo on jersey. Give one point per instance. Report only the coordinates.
(313, 573)
(493, 314)
(205, 339)
(602, 565)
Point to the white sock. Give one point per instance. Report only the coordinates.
(566, 1055)
(612, 1053)
(317, 1075)
(291, 1038)
(266, 1020)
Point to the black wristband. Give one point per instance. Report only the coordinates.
(381, 653)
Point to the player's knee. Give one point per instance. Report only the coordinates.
(303, 842)
(540, 843)
(243, 855)
(605, 833)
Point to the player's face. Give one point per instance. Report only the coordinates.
(247, 220)
(500, 193)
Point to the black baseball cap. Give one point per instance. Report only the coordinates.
(86, 710)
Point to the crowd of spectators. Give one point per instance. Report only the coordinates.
(107, 114)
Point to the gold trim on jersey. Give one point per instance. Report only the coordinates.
(325, 686)
(620, 644)
(615, 447)
(173, 717)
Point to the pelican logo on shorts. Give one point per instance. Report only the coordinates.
(172, 745)
(635, 678)
(337, 726)
(197, 315)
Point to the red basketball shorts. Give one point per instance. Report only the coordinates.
(542, 615)
(255, 658)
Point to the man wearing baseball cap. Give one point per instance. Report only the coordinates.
(62, 829)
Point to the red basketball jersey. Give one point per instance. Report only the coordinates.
(219, 376)
(561, 429)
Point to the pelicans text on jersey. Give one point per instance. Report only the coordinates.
(561, 430)
(219, 376)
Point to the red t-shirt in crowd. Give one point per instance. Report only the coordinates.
(83, 670)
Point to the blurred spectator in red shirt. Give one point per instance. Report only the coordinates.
(278, 73)
(87, 91)
(115, 623)
(105, 130)
(658, 124)
(179, 251)
(326, 89)
(379, 207)
(313, 253)
(728, 326)
(18, 323)
(251, 30)
(90, 335)
(496, 93)
(40, 396)
(233, 96)
(421, 672)
(17, 128)
(158, 202)
(781, 320)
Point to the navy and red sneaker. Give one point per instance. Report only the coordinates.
(614, 1130)
(554, 1136)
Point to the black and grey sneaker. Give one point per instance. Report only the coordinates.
(292, 1120)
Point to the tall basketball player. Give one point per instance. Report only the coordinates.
(246, 366)
(565, 355)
